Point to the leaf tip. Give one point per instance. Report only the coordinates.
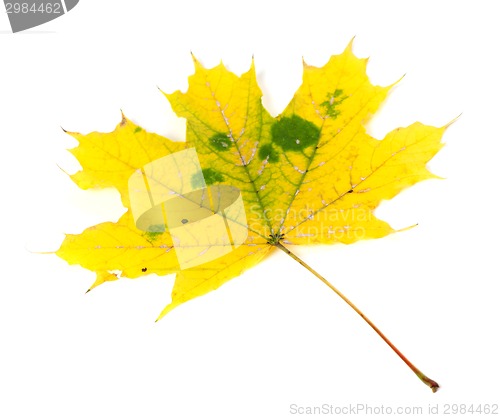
(73, 134)
(451, 122)
(162, 92)
(102, 277)
(349, 46)
(406, 228)
(390, 86)
(63, 170)
(166, 310)
(196, 63)
(124, 120)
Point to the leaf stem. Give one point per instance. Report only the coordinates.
(429, 382)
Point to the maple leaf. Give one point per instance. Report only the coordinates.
(245, 183)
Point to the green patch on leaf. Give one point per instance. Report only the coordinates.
(332, 102)
(154, 232)
(197, 180)
(206, 177)
(268, 152)
(220, 142)
(212, 176)
(294, 133)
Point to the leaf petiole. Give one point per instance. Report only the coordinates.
(429, 382)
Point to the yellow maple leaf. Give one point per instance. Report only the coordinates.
(244, 183)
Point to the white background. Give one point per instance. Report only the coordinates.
(275, 336)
